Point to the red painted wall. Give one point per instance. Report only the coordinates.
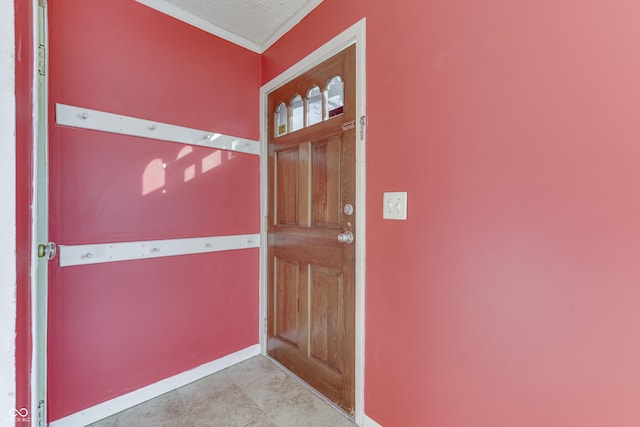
(120, 326)
(510, 295)
(24, 144)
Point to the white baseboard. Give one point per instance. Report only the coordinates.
(368, 422)
(126, 401)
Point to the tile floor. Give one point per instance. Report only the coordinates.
(254, 393)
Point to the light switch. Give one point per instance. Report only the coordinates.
(395, 205)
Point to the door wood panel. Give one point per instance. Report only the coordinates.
(327, 316)
(325, 178)
(286, 178)
(311, 289)
(287, 291)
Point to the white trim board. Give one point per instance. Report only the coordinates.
(86, 118)
(211, 28)
(125, 251)
(354, 34)
(129, 400)
(40, 218)
(7, 209)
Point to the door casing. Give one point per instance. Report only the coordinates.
(356, 34)
(40, 227)
(8, 309)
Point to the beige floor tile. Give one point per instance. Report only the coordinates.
(251, 369)
(107, 422)
(183, 421)
(263, 421)
(236, 410)
(206, 389)
(269, 397)
(304, 409)
(218, 401)
(231, 409)
(156, 412)
(272, 389)
(343, 421)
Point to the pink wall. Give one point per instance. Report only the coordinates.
(510, 295)
(120, 326)
(24, 144)
(125, 57)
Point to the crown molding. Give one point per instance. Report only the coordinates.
(289, 24)
(191, 19)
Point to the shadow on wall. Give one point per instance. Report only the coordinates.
(111, 187)
(154, 177)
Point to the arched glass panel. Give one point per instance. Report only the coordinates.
(297, 113)
(281, 119)
(335, 97)
(314, 106)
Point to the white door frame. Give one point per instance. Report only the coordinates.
(40, 212)
(354, 34)
(7, 209)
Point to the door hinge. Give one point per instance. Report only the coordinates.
(42, 60)
(41, 420)
(47, 251)
(363, 122)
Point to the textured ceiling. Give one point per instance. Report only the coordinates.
(255, 24)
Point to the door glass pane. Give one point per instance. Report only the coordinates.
(297, 113)
(281, 119)
(335, 97)
(314, 106)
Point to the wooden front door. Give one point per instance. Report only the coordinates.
(311, 281)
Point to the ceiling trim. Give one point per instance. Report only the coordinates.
(191, 19)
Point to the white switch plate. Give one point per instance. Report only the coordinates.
(395, 205)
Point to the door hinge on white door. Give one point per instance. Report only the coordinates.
(42, 60)
(363, 121)
(41, 420)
